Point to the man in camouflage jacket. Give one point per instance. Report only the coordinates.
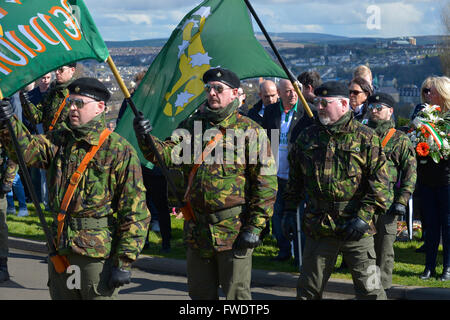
(401, 166)
(107, 219)
(231, 200)
(44, 112)
(341, 167)
(8, 170)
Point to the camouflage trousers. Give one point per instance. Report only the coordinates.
(229, 269)
(386, 226)
(3, 228)
(93, 281)
(319, 258)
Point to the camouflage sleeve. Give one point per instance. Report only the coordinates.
(163, 147)
(262, 183)
(33, 112)
(132, 213)
(378, 193)
(293, 194)
(37, 150)
(408, 172)
(10, 173)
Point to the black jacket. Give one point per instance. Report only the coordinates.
(253, 113)
(433, 174)
(300, 120)
(363, 114)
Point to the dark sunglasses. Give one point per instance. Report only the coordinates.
(379, 107)
(62, 69)
(426, 90)
(79, 103)
(217, 87)
(322, 101)
(354, 92)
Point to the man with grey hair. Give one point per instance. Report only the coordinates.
(286, 117)
(339, 167)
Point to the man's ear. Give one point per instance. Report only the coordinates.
(100, 107)
(345, 104)
(392, 111)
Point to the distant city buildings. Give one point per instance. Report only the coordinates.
(328, 59)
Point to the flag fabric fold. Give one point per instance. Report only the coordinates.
(215, 33)
(39, 36)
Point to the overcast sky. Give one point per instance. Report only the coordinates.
(120, 20)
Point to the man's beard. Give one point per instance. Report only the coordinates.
(324, 120)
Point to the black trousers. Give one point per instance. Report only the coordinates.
(156, 197)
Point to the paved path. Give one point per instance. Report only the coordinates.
(28, 271)
(167, 276)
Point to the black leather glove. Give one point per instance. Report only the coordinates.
(6, 110)
(355, 229)
(246, 240)
(24, 98)
(119, 277)
(142, 126)
(397, 209)
(289, 224)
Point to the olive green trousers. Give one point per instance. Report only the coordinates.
(319, 259)
(229, 269)
(86, 279)
(386, 226)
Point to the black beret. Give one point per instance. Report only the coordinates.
(331, 89)
(222, 75)
(384, 98)
(91, 88)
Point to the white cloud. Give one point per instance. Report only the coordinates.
(131, 18)
(141, 19)
(400, 18)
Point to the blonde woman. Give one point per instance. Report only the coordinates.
(440, 92)
(425, 97)
(434, 181)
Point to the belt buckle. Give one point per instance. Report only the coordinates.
(75, 178)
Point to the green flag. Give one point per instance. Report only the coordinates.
(38, 36)
(215, 33)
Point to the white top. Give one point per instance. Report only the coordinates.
(283, 164)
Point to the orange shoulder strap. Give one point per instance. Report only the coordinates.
(208, 149)
(58, 112)
(75, 179)
(388, 137)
